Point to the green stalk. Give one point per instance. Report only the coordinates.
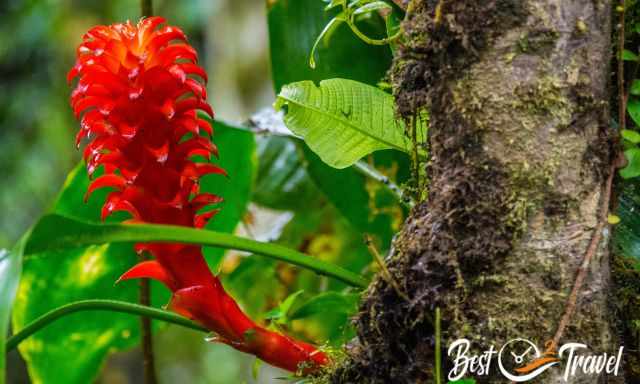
(367, 39)
(438, 366)
(59, 232)
(99, 305)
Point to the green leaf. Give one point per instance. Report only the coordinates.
(627, 55)
(294, 26)
(280, 314)
(344, 120)
(55, 232)
(330, 301)
(70, 199)
(282, 181)
(51, 279)
(10, 268)
(635, 87)
(463, 381)
(633, 166)
(630, 135)
(633, 107)
(285, 306)
(392, 22)
(237, 150)
(81, 273)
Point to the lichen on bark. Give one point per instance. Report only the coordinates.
(519, 139)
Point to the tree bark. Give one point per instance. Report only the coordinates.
(520, 147)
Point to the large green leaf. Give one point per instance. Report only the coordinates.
(282, 181)
(344, 120)
(10, 267)
(238, 157)
(294, 26)
(54, 277)
(74, 274)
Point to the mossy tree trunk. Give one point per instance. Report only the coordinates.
(520, 144)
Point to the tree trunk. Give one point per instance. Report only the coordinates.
(519, 140)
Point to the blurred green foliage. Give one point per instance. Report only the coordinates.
(37, 48)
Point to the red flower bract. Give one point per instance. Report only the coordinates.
(138, 92)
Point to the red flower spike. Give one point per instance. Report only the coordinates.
(138, 96)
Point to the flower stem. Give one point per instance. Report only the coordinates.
(99, 305)
(438, 367)
(145, 330)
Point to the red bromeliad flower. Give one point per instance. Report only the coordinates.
(137, 98)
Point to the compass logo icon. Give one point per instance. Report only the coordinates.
(520, 360)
